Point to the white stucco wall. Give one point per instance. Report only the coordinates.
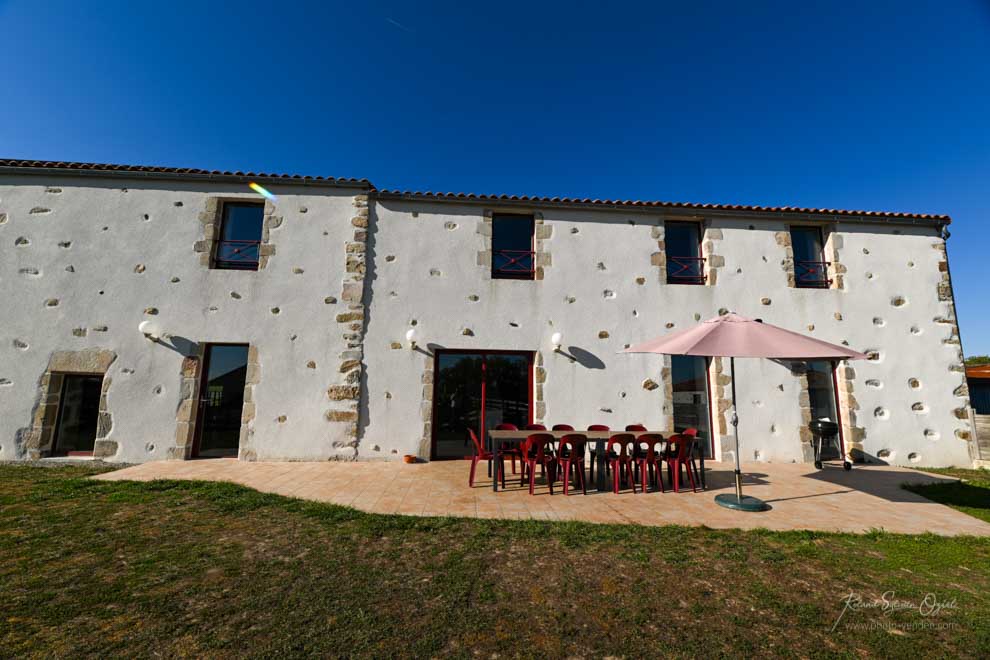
(445, 237)
(105, 221)
(108, 235)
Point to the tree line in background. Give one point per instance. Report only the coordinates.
(977, 360)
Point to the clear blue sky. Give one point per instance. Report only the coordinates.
(881, 106)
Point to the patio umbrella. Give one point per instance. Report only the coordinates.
(735, 336)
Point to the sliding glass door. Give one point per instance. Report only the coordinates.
(478, 390)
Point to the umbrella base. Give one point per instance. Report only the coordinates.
(745, 503)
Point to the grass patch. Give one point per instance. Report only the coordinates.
(970, 495)
(89, 568)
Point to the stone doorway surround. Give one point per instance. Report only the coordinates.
(187, 412)
(89, 362)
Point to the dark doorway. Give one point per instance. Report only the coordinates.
(78, 411)
(689, 379)
(822, 388)
(221, 399)
(478, 390)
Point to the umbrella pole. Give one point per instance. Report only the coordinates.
(735, 428)
(738, 501)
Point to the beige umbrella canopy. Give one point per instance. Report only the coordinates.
(733, 336)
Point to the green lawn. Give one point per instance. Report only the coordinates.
(971, 495)
(189, 569)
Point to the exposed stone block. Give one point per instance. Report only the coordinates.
(341, 416)
(343, 392)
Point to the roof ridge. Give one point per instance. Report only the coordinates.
(452, 196)
(444, 196)
(157, 169)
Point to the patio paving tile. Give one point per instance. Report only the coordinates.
(801, 497)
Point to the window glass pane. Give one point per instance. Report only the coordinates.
(809, 269)
(821, 391)
(472, 386)
(689, 376)
(240, 234)
(684, 265)
(979, 392)
(512, 246)
(223, 400)
(506, 390)
(79, 406)
(242, 222)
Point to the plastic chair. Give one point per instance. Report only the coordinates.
(647, 459)
(619, 459)
(693, 433)
(570, 455)
(562, 427)
(512, 450)
(594, 452)
(680, 448)
(538, 449)
(636, 427)
(482, 454)
(535, 427)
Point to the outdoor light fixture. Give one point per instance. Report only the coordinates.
(556, 339)
(411, 338)
(150, 330)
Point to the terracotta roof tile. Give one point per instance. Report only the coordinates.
(444, 196)
(416, 195)
(153, 169)
(982, 371)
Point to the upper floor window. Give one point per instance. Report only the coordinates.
(240, 236)
(513, 256)
(685, 265)
(810, 267)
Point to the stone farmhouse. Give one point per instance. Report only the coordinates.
(156, 313)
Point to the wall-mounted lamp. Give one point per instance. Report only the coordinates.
(411, 338)
(556, 339)
(150, 330)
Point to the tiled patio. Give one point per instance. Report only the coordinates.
(800, 496)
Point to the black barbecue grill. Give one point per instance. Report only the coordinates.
(824, 432)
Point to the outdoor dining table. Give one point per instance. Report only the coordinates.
(497, 438)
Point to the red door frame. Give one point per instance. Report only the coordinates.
(838, 412)
(708, 396)
(529, 355)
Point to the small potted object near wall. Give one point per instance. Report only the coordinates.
(409, 458)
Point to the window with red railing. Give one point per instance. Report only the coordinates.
(682, 244)
(239, 239)
(513, 257)
(810, 267)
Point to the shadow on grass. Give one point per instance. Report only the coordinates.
(972, 497)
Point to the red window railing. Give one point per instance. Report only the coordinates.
(513, 264)
(685, 270)
(812, 274)
(237, 255)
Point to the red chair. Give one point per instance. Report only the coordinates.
(538, 449)
(562, 427)
(636, 427)
(647, 459)
(593, 451)
(535, 427)
(570, 458)
(693, 433)
(619, 459)
(680, 448)
(512, 450)
(482, 454)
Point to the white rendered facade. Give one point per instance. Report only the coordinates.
(351, 269)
